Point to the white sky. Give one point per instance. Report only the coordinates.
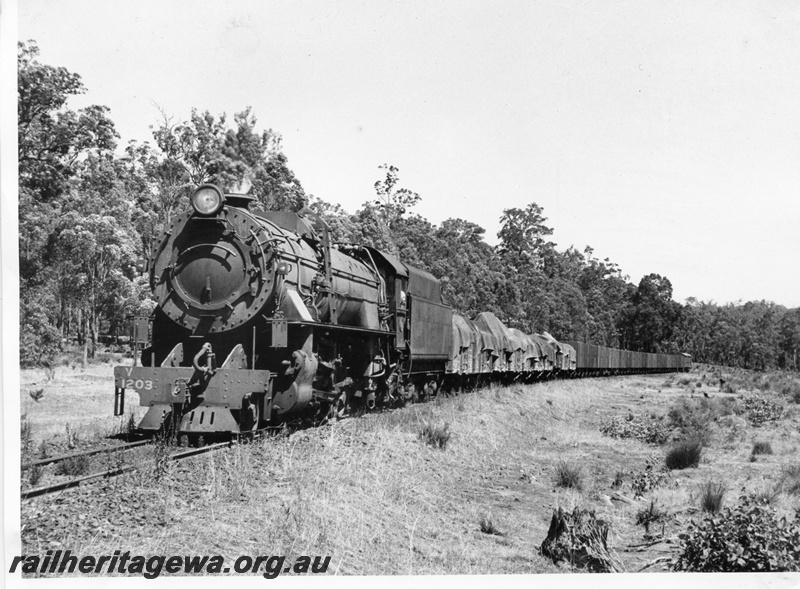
(666, 135)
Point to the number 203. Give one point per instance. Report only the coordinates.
(138, 384)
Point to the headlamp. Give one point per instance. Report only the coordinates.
(207, 199)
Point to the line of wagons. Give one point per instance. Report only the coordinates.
(485, 345)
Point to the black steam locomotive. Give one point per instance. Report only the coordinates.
(260, 318)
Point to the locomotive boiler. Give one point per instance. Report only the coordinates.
(260, 318)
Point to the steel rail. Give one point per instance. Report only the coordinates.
(107, 450)
(113, 472)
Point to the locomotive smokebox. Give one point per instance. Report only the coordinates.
(221, 266)
(214, 271)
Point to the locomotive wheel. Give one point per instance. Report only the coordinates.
(433, 388)
(411, 393)
(335, 408)
(195, 440)
(424, 393)
(394, 393)
(341, 405)
(333, 413)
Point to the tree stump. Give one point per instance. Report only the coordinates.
(581, 540)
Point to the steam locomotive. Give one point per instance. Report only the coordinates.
(261, 319)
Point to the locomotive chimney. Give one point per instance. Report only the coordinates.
(241, 201)
(236, 195)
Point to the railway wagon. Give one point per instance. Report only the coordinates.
(600, 360)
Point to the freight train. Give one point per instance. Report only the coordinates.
(261, 319)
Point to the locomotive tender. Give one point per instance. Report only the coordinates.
(260, 318)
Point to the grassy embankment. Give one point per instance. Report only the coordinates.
(462, 485)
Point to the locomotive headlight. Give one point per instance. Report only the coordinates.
(207, 199)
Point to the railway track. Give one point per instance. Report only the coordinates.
(94, 452)
(122, 469)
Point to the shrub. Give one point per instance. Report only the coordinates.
(167, 438)
(49, 369)
(684, 455)
(648, 430)
(488, 527)
(694, 418)
(105, 358)
(792, 390)
(72, 436)
(760, 410)
(790, 479)
(764, 495)
(647, 480)
(25, 432)
(711, 497)
(761, 448)
(39, 340)
(746, 538)
(35, 475)
(435, 435)
(127, 427)
(568, 476)
(73, 466)
(619, 478)
(652, 514)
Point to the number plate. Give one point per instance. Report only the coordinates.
(138, 384)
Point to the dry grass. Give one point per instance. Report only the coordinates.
(375, 496)
(73, 467)
(436, 435)
(789, 481)
(761, 448)
(684, 454)
(81, 397)
(568, 476)
(487, 526)
(652, 514)
(711, 496)
(766, 495)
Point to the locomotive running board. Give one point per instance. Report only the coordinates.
(337, 327)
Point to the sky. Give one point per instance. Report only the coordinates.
(666, 136)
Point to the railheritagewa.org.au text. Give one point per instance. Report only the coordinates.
(151, 567)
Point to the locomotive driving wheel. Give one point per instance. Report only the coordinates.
(410, 394)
